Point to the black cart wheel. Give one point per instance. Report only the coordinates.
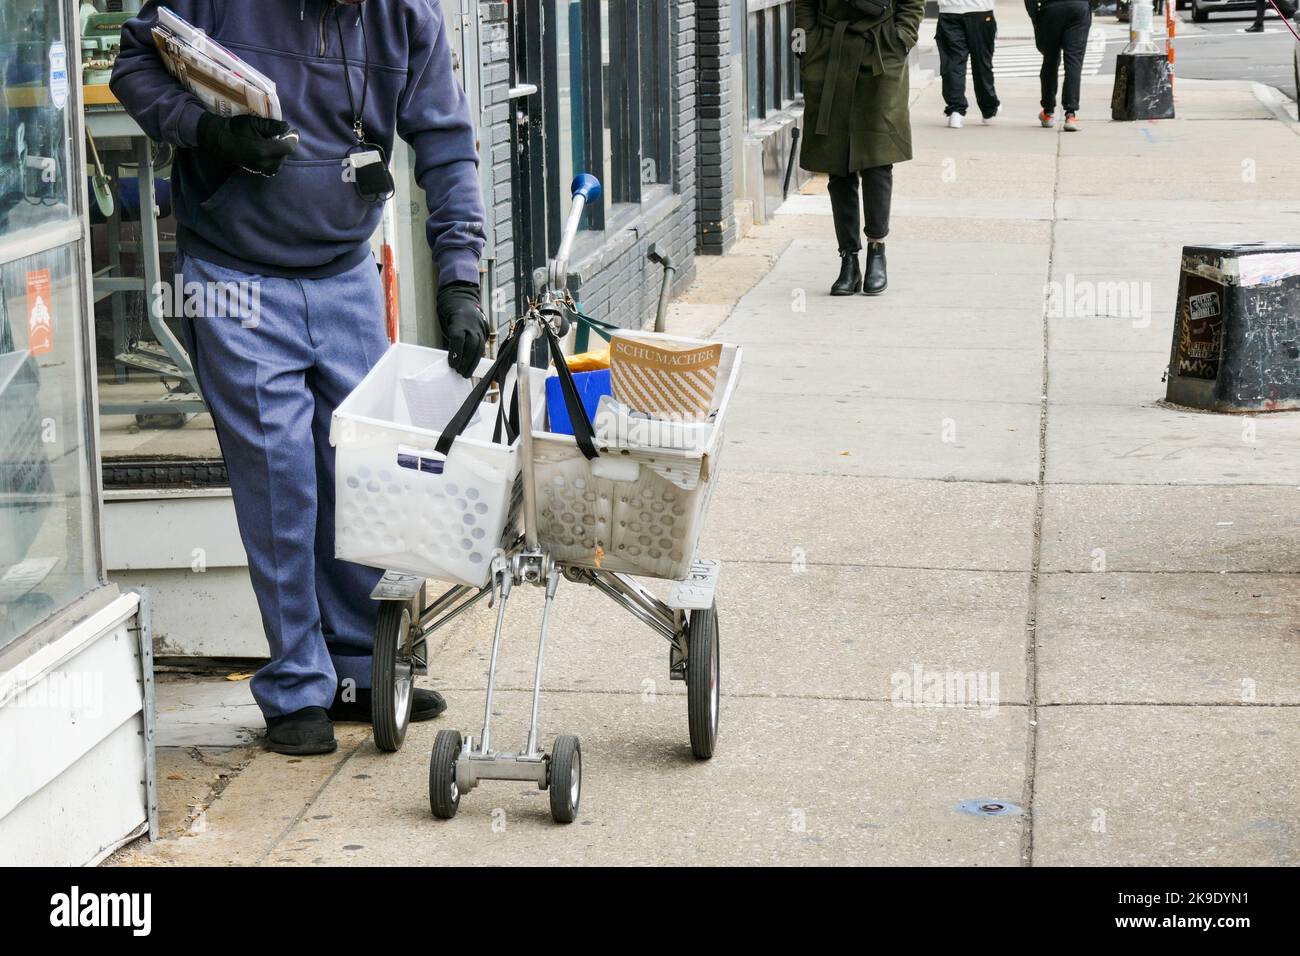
(703, 689)
(392, 675)
(444, 794)
(565, 778)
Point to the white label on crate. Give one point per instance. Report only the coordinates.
(695, 591)
(397, 586)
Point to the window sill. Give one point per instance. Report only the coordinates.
(775, 120)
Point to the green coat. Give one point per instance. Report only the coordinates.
(855, 84)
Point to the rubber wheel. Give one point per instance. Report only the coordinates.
(392, 676)
(1198, 15)
(444, 794)
(703, 687)
(565, 778)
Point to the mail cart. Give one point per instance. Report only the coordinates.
(450, 505)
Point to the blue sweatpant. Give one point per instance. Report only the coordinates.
(272, 372)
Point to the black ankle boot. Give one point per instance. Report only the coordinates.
(876, 280)
(850, 280)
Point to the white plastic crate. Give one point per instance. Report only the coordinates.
(633, 511)
(399, 505)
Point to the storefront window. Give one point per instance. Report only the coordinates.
(47, 538)
(771, 69)
(753, 67)
(34, 120)
(153, 425)
(656, 92)
(569, 118)
(608, 115)
(610, 73)
(48, 542)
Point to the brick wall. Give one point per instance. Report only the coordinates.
(716, 195)
(495, 145)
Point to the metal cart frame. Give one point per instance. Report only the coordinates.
(687, 619)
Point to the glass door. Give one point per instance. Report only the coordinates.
(49, 537)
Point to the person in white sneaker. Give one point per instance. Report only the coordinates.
(966, 30)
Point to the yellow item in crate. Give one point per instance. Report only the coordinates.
(589, 361)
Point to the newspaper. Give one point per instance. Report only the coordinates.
(226, 84)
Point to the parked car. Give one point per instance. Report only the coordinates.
(1124, 13)
(1201, 9)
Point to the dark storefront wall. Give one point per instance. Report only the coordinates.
(617, 97)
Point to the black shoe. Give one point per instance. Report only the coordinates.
(306, 731)
(876, 280)
(425, 705)
(850, 280)
(1254, 28)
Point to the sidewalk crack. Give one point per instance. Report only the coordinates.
(1031, 614)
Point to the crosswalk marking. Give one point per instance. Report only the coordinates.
(1022, 59)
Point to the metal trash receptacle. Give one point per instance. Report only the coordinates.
(1236, 342)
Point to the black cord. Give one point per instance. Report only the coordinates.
(357, 125)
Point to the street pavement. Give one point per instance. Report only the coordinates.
(985, 599)
(1214, 50)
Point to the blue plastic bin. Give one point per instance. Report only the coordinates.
(591, 385)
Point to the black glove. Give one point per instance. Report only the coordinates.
(464, 328)
(252, 143)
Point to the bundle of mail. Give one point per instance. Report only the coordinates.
(226, 84)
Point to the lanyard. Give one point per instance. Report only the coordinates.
(357, 128)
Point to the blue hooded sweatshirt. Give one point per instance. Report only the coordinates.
(308, 220)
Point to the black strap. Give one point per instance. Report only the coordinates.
(497, 373)
(572, 402)
(506, 356)
(507, 423)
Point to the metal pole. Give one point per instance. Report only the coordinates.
(552, 582)
(505, 580)
(665, 288)
(1140, 29)
(523, 381)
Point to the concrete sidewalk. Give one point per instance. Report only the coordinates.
(945, 480)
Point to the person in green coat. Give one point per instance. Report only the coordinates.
(856, 122)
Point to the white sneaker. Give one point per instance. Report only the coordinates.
(954, 121)
(988, 120)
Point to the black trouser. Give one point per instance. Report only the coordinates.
(962, 35)
(1261, 7)
(1062, 28)
(877, 188)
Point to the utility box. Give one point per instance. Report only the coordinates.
(1236, 341)
(1143, 89)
